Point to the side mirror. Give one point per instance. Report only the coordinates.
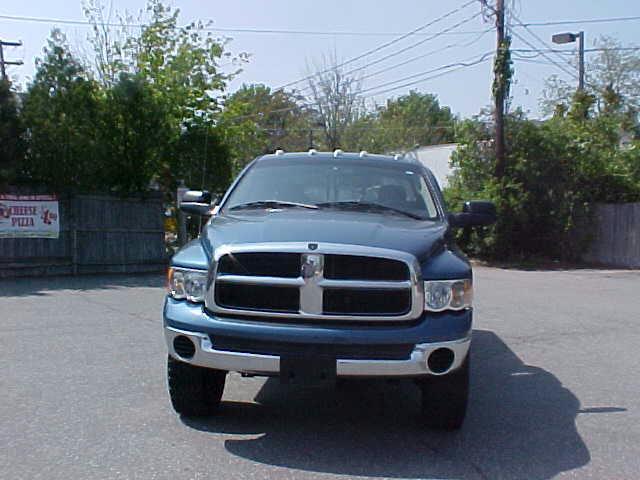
(196, 202)
(478, 213)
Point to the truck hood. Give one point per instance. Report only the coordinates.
(392, 231)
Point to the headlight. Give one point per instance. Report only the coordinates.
(448, 295)
(187, 284)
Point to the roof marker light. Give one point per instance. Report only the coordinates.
(337, 152)
(279, 152)
(312, 151)
(363, 153)
(397, 156)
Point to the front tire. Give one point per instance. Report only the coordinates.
(445, 398)
(194, 391)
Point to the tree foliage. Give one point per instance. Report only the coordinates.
(555, 169)
(201, 157)
(134, 135)
(60, 111)
(612, 77)
(415, 119)
(335, 97)
(151, 108)
(141, 112)
(11, 134)
(257, 120)
(180, 62)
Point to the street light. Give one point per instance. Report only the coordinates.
(561, 38)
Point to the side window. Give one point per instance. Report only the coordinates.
(426, 196)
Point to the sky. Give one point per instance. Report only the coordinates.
(277, 58)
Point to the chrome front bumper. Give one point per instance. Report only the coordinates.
(206, 356)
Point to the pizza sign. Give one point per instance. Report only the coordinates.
(29, 216)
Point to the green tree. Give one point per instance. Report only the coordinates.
(257, 120)
(201, 157)
(84, 137)
(415, 119)
(611, 73)
(180, 64)
(555, 169)
(60, 112)
(531, 196)
(134, 136)
(11, 134)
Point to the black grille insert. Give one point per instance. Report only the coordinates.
(261, 264)
(265, 347)
(258, 297)
(353, 267)
(353, 301)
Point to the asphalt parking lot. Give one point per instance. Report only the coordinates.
(555, 392)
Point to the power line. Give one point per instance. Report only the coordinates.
(363, 127)
(405, 49)
(537, 37)
(533, 60)
(414, 45)
(460, 65)
(572, 52)
(561, 67)
(579, 22)
(463, 63)
(536, 53)
(428, 54)
(258, 114)
(275, 31)
(64, 21)
(421, 80)
(383, 46)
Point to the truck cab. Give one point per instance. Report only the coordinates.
(320, 266)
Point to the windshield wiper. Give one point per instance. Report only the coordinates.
(272, 204)
(353, 205)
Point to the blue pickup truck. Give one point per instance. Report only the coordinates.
(319, 266)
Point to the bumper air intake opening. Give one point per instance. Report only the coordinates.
(184, 347)
(440, 360)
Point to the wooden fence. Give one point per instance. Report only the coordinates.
(614, 231)
(98, 234)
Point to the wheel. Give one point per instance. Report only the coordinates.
(194, 391)
(444, 398)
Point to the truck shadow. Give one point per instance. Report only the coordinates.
(520, 424)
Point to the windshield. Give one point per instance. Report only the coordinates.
(328, 184)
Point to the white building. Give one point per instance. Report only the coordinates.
(437, 158)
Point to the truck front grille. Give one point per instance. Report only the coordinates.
(354, 301)
(352, 267)
(350, 351)
(316, 283)
(258, 297)
(261, 264)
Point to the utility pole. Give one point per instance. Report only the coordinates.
(499, 90)
(3, 62)
(581, 60)
(310, 138)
